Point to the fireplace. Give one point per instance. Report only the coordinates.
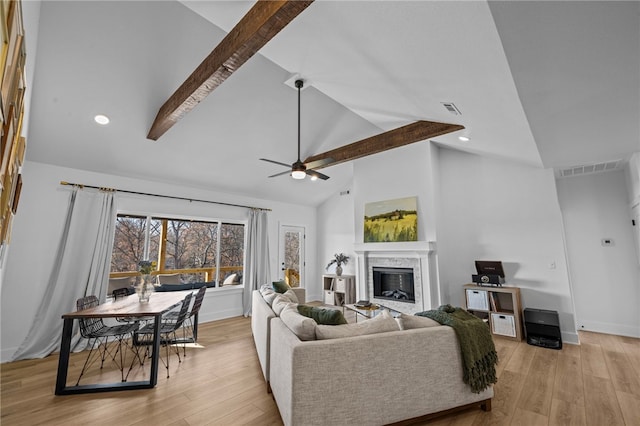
(402, 273)
(395, 284)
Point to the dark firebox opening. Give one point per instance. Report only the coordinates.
(393, 284)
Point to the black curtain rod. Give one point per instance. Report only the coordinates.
(102, 188)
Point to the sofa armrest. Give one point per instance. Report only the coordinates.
(373, 379)
(301, 294)
(261, 315)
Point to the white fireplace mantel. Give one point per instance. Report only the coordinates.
(404, 247)
(419, 251)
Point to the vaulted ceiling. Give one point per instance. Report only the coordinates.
(547, 84)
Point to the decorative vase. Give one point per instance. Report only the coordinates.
(145, 287)
(338, 270)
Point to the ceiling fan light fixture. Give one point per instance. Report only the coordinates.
(298, 174)
(314, 177)
(298, 170)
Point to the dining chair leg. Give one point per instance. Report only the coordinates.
(166, 345)
(87, 362)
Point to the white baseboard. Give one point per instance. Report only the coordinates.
(609, 328)
(218, 315)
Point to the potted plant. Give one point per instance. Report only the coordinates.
(339, 259)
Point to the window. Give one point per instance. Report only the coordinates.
(200, 251)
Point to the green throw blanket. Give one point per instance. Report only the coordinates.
(479, 355)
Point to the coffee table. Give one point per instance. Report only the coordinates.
(370, 311)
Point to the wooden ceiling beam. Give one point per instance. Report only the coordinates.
(405, 135)
(263, 21)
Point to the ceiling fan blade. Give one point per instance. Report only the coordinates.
(317, 174)
(405, 135)
(288, 172)
(276, 162)
(261, 23)
(319, 163)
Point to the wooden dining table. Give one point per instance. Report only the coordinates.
(126, 307)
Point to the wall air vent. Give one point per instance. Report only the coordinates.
(587, 169)
(452, 108)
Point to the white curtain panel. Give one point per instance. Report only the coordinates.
(257, 267)
(81, 268)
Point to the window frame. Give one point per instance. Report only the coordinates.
(181, 217)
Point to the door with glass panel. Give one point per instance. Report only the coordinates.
(291, 255)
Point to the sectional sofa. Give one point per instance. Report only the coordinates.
(380, 371)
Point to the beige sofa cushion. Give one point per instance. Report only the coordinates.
(282, 300)
(380, 324)
(408, 322)
(291, 295)
(301, 326)
(268, 294)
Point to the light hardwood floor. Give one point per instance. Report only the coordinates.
(596, 383)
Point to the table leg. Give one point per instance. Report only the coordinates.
(153, 375)
(63, 360)
(195, 328)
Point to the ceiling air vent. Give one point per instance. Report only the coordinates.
(587, 169)
(450, 106)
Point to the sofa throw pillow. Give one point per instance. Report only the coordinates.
(231, 279)
(409, 322)
(268, 294)
(322, 315)
(301, 326)
(280, 286)
(382, 323)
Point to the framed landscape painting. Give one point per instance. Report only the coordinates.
(391, 221)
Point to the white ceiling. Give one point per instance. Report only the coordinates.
(540, 83)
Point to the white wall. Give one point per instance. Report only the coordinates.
(37, 228)
(496, 210)
(399, 173)
(336, 233)
(403, 172)
(632, 172)
(606, 279)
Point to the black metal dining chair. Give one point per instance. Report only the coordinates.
(190, 325)
(120, 292)
(99, 333)
(168, 328)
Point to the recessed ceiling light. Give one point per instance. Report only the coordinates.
(464, 138)
(101, 119)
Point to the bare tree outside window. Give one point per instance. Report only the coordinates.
(128, 245)
(189, 247)
(292, 250)
(231, 248)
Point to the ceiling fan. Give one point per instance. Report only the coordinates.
(263, 22)
(299, 169)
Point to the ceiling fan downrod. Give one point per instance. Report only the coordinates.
(298, 169)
